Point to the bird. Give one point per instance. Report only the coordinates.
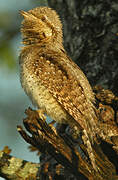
(54, 83)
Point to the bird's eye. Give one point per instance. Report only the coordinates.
(43, 18)
(44, 34)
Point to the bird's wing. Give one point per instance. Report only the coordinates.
(67, 83)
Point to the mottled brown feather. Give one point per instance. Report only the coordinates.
(45, 66)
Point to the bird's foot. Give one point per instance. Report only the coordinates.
(41, 114)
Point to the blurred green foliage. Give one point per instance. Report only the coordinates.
(8, 30)
(10, 22)
(7, 56)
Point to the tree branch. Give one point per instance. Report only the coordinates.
(15, 168)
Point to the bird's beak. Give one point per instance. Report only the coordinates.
(27, 15)
(24, 13)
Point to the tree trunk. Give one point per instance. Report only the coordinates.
(91, 38)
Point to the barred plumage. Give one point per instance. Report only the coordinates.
(51, 79)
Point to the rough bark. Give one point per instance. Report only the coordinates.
(91, 39)
(63, 155)
(13, 168)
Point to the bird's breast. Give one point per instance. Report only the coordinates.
(41, 97)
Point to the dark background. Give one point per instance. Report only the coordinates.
(91, 38)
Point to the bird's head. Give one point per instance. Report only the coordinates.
(41, 25)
